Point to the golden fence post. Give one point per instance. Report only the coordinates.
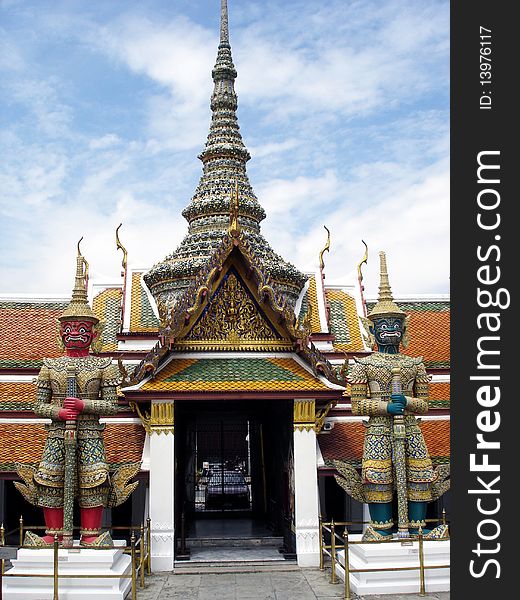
(2, 543)
(132, 548)
(21, 530)
(333, 552)
(444, 516)
(55, 567)
(347, 565)
(422, 590)
(141, 557)
(320, 519)
(149, 544)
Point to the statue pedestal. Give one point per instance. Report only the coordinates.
(74, 561)
(373, 556)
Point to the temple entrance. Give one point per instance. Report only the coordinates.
(222, 465)
(233, 470)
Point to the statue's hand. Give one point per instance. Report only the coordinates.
(395, 408)
(75, 404)
(67, 414)
(399, 399)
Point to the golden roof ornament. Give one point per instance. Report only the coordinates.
(385, 307)
(325, 249)
(234, 227)
(79, 307)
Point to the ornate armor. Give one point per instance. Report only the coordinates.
(96, 380)
(371, 390)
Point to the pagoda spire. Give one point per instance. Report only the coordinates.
(224, 23)
(224, 159)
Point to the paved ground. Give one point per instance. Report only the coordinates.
(302, 584)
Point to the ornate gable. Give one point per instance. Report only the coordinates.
(233, 320)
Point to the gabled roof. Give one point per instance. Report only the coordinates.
(28, 332)
(23, 442)
(234, 374)
(310, 304)
(344, 321)
(429, 331)
(17, 395)
(234, 252)
(142, 316)
(346, 439)
(107, 307)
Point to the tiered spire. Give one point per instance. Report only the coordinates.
(385, 305)
(78, 307)
(224, 161)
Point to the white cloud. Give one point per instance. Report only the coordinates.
(341, 104)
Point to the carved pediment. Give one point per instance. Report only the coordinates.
(232, 319)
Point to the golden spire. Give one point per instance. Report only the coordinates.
(78, 307)
(385, 305)
(326, 249)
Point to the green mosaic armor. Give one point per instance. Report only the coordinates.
(97, 380)
(371, 389)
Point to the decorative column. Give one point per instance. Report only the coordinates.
(306, 484)
(160, 427)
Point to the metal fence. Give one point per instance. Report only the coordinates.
(340, 542)
(139, 550)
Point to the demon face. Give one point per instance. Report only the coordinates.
(77, 335)
(388, 332)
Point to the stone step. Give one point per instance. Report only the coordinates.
(244, 542)
(265, 566)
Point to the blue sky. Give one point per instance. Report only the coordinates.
(104, 107)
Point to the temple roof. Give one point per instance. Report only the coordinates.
(224, 161)
(23, 442)
(344, 321)
(346, 439)
(234, 374)
(28, 332)
(107, 307)
(17, 396)
(429, 328)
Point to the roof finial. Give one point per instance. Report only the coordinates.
(224, 23)
(325, 249)
(364, 260)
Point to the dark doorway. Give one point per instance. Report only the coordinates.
(233, 465)
(222, 464)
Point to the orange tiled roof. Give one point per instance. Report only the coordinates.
(23, 442)
(345, 441)
(430, 337)
(15, 395)
(28, 332)
(439, 394)
(234, 375)
(429, 331)
(344, 321)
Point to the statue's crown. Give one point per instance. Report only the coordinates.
(385, 306)
(79, 307)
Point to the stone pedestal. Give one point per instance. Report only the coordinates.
(76, 562)
(384, 555)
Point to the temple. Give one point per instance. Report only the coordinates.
(234, 395)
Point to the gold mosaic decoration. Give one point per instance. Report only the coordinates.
(233, 320)
(304, 415)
